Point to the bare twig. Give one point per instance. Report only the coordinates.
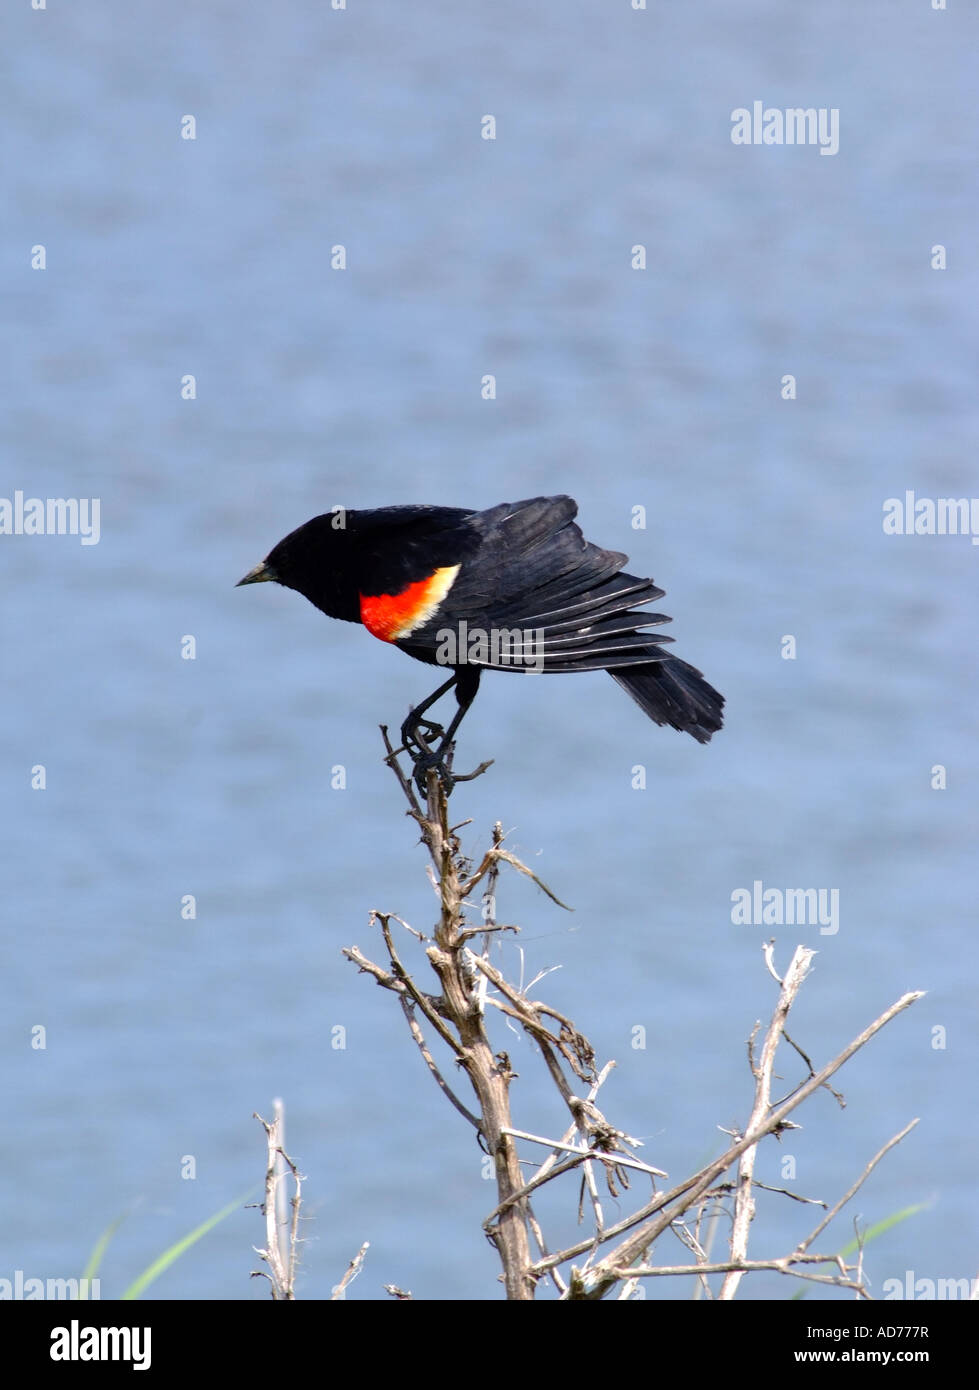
(744, 1206)
(353, 1269)
(282, 1265)
(834, 1211)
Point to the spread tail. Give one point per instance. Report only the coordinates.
(675, 693)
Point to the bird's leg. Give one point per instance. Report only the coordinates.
(466, 682)
(411, 728)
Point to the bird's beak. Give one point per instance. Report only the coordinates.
(261, 574)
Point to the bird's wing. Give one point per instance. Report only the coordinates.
(535, 572)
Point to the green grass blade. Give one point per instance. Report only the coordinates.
(99, 1249)
(164, 1261)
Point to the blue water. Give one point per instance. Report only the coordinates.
(658, 389)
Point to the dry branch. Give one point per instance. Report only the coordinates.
(282, 1263)
(471, 989)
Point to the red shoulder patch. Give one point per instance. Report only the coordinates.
(391, 616)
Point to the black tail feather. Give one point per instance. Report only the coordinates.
(675, 693)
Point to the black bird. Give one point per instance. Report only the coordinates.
(514, 588)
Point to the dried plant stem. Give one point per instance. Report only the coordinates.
(472, 990)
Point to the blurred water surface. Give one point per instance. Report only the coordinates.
(657, 389)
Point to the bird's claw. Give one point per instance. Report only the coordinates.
(440, 761)
(415, 742)
(418, 735)
(436, 762)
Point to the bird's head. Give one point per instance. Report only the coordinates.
(314, 560)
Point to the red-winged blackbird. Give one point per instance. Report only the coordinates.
(514, 588)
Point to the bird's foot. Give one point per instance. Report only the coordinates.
(417, 737)
(439, 760)
(417, 744)
(431, 750)
(436, 760)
